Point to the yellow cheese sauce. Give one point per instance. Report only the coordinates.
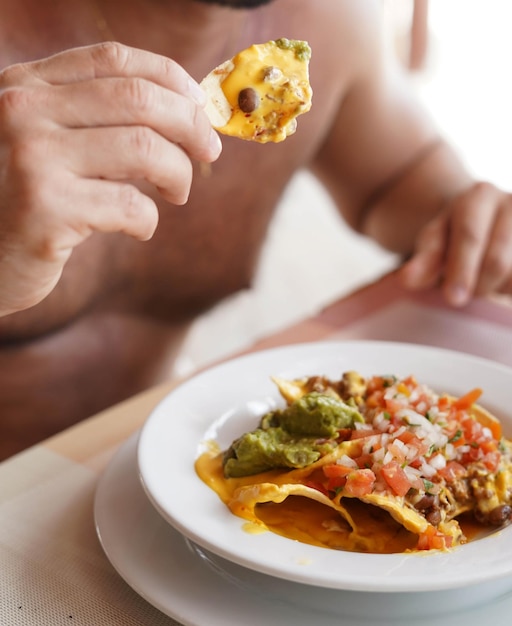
(306, 520)
(309, 521)
(278, 75)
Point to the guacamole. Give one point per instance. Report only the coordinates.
(293, 437)
(301, 49)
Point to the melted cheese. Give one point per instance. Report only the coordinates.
(296, 503)
(298, 512)
(278, 72)
(278, 501)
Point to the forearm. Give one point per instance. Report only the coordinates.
(396, 211)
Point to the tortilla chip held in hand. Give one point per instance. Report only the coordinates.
(258, 94)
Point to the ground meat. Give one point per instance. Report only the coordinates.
(460, 490)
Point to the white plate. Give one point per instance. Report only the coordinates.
(229, 399)
(160, 565)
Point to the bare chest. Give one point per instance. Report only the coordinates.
(202, 251)
(210, 247)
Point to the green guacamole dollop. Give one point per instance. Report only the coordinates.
(293, 437)
(301, 49)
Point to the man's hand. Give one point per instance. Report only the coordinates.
(76, 130)
(467, 249)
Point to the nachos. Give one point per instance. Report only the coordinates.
(378, 464)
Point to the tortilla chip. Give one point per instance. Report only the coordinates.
(258, 94)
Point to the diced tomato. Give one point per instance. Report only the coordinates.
(437, 542)
(465, 401)
(473, 454)
(364, 432)
(458, 439)
(335, 482)
(335, 470)
(433, 539)
(444, 403)
(375, 399)
(359, 483)
(410, 381)
(375, 383)
(344, 434)
(413, 441)
(424, 539)
(316, 485)
(416, 463)
(452, 471)
(337, 476)
(488, 446)
(491, 460)
(408, 437)
(396, 478)
(364, 461)
(397, 452)
(472, 429)
(393, 405)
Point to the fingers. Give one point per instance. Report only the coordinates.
(424, 270)
(113, 207)
(136, 122)
(467, 249)
(128, 153)
(110, 59)
(496, 268)
(169, 113)
(78, 131)
(81, 208)
(472, 216)
(90, 104)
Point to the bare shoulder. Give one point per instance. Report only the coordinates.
(343, 27)
(345, 39)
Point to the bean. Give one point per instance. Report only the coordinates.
(248, 100)
(500, 514)
(433, 516)
(426, 502)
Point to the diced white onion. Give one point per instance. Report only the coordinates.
(412, 473)
(411, 453)
(346, 461)
(414, 395)
(370, 443)
(380, 422)
(427, 470)
(399, 432)
(400, 445)
(378, 455)
(438, 461)
(449, 451)
(433, 412)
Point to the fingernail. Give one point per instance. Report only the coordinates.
(196, 92)
(215, 142)
(458, 295)
(413, 274)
